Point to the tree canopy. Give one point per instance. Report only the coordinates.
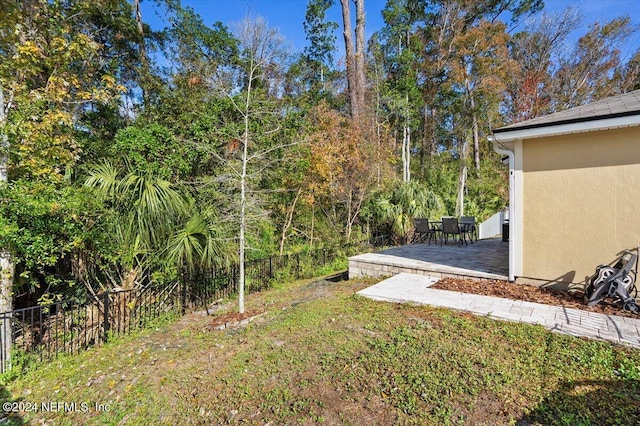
(133, 155)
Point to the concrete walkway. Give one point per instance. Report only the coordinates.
(410, 288)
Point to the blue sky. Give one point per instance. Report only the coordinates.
(288, 15)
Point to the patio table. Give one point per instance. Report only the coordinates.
(468, 227)
(435, 229)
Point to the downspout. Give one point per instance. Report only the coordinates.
(509, 153)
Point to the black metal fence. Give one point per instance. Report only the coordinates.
(43, 332)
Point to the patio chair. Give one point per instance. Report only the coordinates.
(423, 230)
(468, 227)
(450, 227)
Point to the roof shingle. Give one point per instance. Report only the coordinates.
(616, 106)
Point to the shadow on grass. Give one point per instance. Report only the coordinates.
(606, 402)
(9, 414)
(340, 276)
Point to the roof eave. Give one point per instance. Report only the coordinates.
(566, 128)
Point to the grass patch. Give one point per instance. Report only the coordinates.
(323, 355)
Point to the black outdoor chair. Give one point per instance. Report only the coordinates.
(450, 227)
(468, 227)
(423, 231)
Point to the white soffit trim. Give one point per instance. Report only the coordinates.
(563, 129)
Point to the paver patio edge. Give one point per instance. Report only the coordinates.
(410, 288)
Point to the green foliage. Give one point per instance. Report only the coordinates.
(587, 73)
(71, 72)
(21, 363)
(396, 207)
(45, 225)
(198, 49)
(154, 148)
(149, 206)
(314, 73)
(319, 32)
(49, 75)
(195, 245)
(154, 217)
(487, 189)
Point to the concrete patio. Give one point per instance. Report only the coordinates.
(484, 259)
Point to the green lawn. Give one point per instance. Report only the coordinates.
(320, 354)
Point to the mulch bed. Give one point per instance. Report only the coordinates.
(528, 293)
(233, 319)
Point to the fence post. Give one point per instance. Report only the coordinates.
(271, 267)
(6, 340)
(105, 320)
(298, 265)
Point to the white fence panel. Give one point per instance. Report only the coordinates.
(492, 227)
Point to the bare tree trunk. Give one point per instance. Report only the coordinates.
(350, 57)
(7, 265)
(360, 55)
(143, 48)
(313, 219)
(354, 210)
(462, 184)
(354, 57)
(288, 220)
(263, 49)
(4, 140)
(349, 207)
(143, 52)
(7, 270)
(476, 133)
(378, 124)
(433, 149)
(243, 193)
(406, 153)
(461, 189)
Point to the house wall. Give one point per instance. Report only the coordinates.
(581, 204)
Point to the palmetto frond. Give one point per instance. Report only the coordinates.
(155, 215)
(195, 245)
(404, 203)
(187, 245)
(150, 206)
(105, 178)
(157, 206)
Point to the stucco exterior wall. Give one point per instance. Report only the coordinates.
(581, 203)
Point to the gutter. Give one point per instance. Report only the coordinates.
(511, 134)
(633, 117)
(503, 150)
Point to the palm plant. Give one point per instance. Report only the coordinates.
(405, 201)
(194, 245)
(154, 215)
(149, 205)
